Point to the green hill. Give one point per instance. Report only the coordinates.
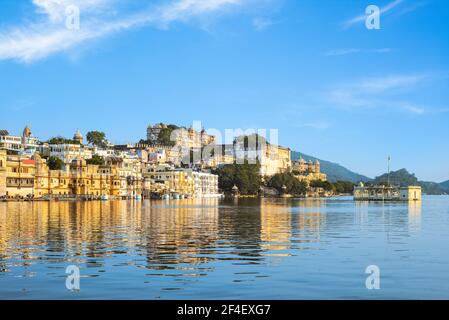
(404, 179)
(334, 171)
(445, 185)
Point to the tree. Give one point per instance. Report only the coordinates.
(54, 163)
(96, 159)
(61, 140)
(97, 138)
(164, 137)
(245, 176)
(289, 181)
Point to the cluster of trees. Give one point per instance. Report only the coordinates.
(338, 187)
(96, 159)
(287, 183)
(96, 138)
(54, 163)
(164, 137)
(62, 140)
(245, 176)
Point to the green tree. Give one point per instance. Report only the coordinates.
(97, 138)
(245, 176)
(96, 159)
(165, 135)
(54, 163)
(289, 181)
(61, 140)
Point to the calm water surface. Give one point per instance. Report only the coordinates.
(216, 249)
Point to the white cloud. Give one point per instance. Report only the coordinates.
(343, 52)
(319, 125)
(261, 24)
(380, 92)
(361, 18)
(99, 18)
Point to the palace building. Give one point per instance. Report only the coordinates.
(308, 171)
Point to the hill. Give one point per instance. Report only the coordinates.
(334, 171)
(445, 185)
(404, 179)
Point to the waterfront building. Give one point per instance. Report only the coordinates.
(2, 173)
(129, 173)
(165, 179)
(308, 171)
(387, 193)
(78, 180)
(19, 176)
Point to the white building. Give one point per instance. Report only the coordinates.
(25, 144)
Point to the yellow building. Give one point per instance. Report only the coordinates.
(2, 173)
(19, 176)
(24, 177)
(308, 171)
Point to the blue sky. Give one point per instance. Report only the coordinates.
(333, 88)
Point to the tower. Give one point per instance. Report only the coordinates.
(78, 137)
(26, 134)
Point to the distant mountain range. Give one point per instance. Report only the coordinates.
(402, 177)
(334, 171)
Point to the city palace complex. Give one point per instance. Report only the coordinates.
(152, 168)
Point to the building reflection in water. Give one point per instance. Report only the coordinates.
(414, 216)
(161, 235)
(185, 239)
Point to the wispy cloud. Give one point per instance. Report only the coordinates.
(261, 24)
(389, 92)
(318, 125)
(361, 18)
(346, 51)
(48, 35)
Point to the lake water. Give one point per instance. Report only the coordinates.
(217, 249)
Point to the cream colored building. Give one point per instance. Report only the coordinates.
(67, 152)
(164, 179)
(185, 138)
(273, 159)
(384, 193)
(308, 171)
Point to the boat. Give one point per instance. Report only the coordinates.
(104, 197)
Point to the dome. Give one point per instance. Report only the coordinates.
(27, 132)
(78, 135)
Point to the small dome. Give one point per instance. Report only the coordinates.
(78, 135)
(27, 132)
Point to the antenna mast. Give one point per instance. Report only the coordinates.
(388, 181)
